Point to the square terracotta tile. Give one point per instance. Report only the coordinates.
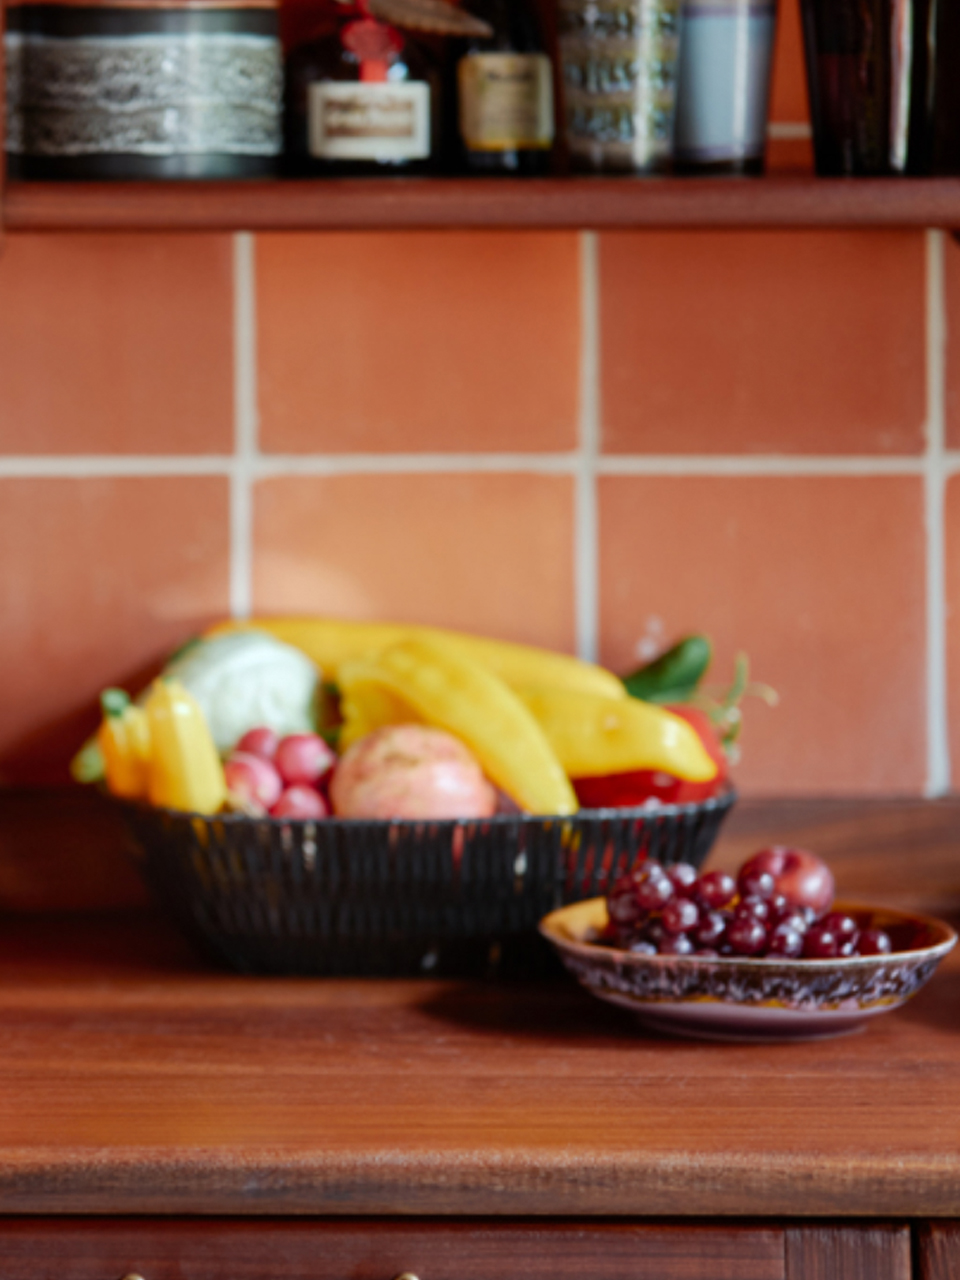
(99, 580)
(952, 286)
(116, 344)
(788, 100)
(953, 623)
(819, 580)
(410, 342)
(485, 553)
(769, 342)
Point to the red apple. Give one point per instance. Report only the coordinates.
(801, 877)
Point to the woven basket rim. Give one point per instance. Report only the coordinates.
(724, 799)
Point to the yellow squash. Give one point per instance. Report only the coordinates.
(124, 742)
(435, 682)
(185, 769)
(595, 736)
(331, 642)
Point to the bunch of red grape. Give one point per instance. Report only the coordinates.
(778, 906)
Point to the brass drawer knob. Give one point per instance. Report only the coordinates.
(404, 1275)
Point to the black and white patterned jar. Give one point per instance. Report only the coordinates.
(143, 90)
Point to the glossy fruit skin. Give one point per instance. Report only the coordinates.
(303, 758)
(874, 942)
(716, 890)
(617, 790)
(785, 941)
(680, 915)
(683, 877)
(300, 802)
(262, 742)
(746, 936)
(820, 943)
(800, 876)
(252, 779)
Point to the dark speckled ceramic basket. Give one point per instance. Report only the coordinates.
(738, 998)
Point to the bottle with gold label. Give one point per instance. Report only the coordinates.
(504, 92)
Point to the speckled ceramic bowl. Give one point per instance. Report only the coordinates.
(734, 998)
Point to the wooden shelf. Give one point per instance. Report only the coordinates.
(436, 203)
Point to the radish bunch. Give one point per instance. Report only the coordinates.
(285, 777)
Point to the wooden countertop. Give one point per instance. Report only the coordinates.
(133, 1081)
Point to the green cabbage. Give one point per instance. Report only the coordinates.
(245, 679)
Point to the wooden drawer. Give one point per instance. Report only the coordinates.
(938, 1251)
(358, 1249)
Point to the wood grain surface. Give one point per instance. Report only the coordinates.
(134, 1081)
(285, 1250)
(848, 1253)
(938, 1251)
(132, 1084)
(422, 203)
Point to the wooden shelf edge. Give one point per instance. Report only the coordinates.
(438, 203)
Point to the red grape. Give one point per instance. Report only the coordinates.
(716, 889)
(680, 915)
(654, 889)
(785, 941)
(874, 942)
(746, 936)
(711, 929)
(820, 943)
(676, 945)
(683, 877)
(754, 882)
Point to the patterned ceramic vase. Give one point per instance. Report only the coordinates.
(138, 89)
(620, 81)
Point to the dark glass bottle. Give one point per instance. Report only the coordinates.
(504, 92)
(361, 99)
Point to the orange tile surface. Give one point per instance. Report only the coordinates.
(116, 344)
(773, 342)
(789, 90)
(100, 579)
(488, 553)
(410, 342)
(952, 282)
(953, 623)
(820, 580)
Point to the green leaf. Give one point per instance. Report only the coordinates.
(674, 676)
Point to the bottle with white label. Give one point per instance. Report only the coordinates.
(363, 98)
(504, 92)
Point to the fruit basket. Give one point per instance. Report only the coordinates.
(351, 897)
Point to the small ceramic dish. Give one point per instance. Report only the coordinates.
(736, 998)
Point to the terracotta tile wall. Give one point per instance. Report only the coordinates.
(591, 442)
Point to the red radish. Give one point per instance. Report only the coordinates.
(801, 877)
(303, 757)
(300, 802)
(410, 771)
(252, 779)
(261, 742)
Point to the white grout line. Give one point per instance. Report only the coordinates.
(759, 465)
(586, 518)
(935, 472)
(789, 130)
(254, 466)
(103, 466)
(328, 464)
(245, 426)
